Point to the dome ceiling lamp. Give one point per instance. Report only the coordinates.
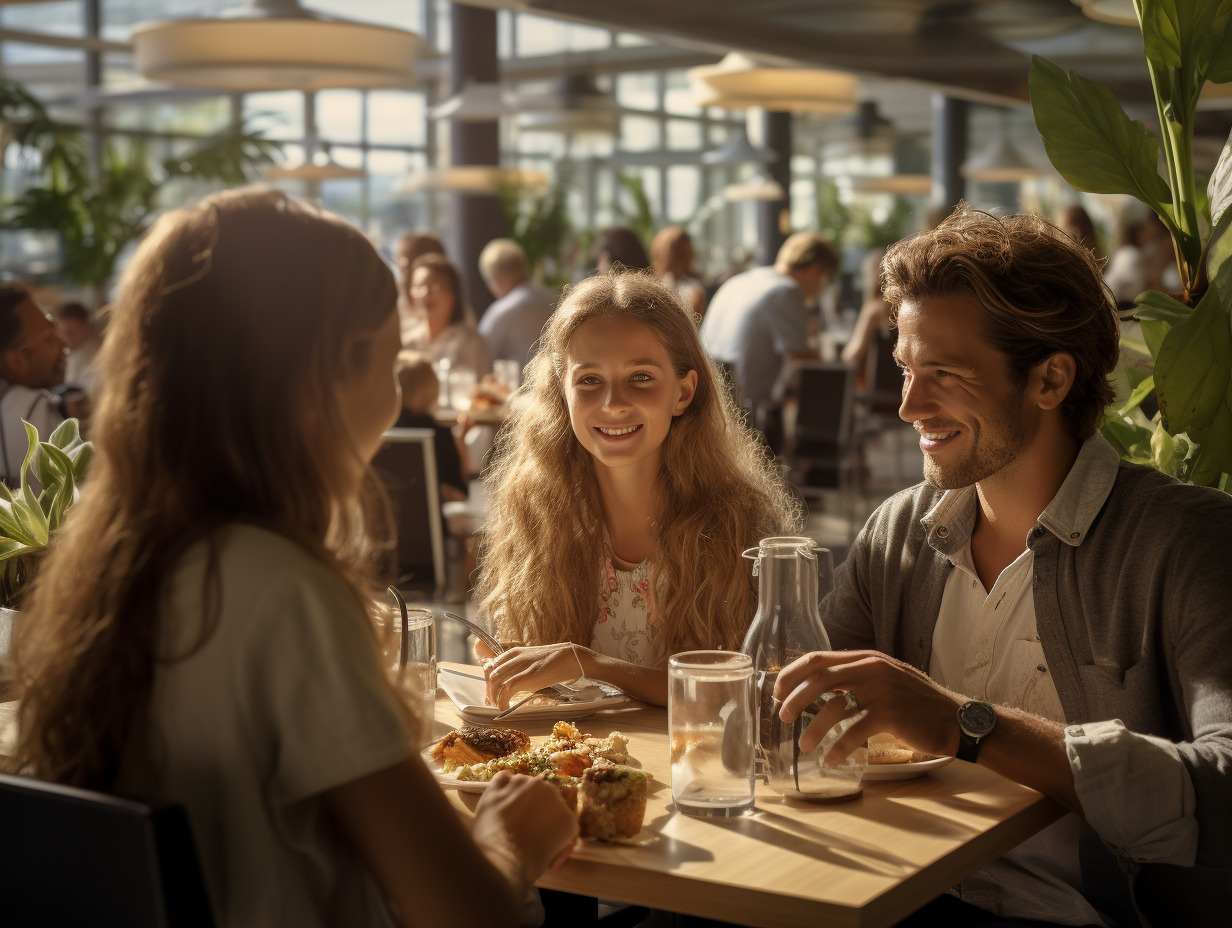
(866, 134)
(475, 102)
(320, 166)
(1117, 12)
(738, 82)
(761, 187)
(476, 179)
(1000, 163)
(738, 150)
(274, 45)
(573, 106)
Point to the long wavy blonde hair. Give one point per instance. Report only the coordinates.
(717, 488)
(234, 324)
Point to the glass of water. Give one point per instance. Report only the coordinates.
(409, 649)
(711, 717)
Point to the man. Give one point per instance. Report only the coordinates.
(759, 318)
(32, 360)
(1039, 606)
(511, 325)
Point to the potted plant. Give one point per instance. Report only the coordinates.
(1096, 147)
(29, 518)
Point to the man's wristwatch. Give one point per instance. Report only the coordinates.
(976, 720)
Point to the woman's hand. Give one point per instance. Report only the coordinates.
(526, 669)
(523, 826)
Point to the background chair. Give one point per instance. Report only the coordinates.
(823, 457)
(75, 857)
(406, 464)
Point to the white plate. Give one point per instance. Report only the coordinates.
(448, 780)
(874, 772)
(468, 690)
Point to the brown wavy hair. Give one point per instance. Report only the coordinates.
(1041, 293)
(234, 323)
(719, 493)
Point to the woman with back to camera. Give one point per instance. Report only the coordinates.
(624, 489)
(672, 257)
(201, 631)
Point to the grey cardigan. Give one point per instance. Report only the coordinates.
(1133, 617)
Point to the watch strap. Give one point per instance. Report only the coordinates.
(968, 747)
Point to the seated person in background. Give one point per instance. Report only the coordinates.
(78, 332)
(218, 565)
(1143, 260)
(1076, 223)
(623, 490)
(443, 325)
(411, 247)
(618, 245)
(759, 319)
(1039, 606)
(32, 360)
(874, 317)
(672, 257)
(420, 389)
(512, 324)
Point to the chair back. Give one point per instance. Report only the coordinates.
(406, 464)
(825, 402)
(885, 380)
(75, 857)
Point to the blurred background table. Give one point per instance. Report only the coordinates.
(868, 863)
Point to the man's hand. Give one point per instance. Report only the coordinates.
(526, 669)
(891, 697)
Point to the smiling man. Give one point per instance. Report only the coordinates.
(1037, 605)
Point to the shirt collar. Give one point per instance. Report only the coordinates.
(1069, 516)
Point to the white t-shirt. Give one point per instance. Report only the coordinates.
(285, 700)
(34, 406)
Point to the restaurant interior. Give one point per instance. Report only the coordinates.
(547, 122)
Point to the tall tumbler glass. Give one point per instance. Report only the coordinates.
(711, 712)
(409, 650)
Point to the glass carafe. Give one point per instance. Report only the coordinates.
(793, 574)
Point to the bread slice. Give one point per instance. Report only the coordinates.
(613, 801)
(884, 749)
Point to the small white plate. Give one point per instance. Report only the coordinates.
(468, 690)
(875, 772)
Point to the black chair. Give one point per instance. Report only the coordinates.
(406, 464)
(823, 457)
(76, 857)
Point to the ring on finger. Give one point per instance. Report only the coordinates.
(851, 704)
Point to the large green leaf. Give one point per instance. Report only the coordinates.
(1090, 140)
(81, 457)
(58, 496)
(1132, 442)
(1191, 36)
(1155, 305)
(10, 547)
(12, 525)
(66, 435)
(1144, 389)
(1193, 367)
(31, 514)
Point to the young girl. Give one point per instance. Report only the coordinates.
(624, 489)
(200, 633)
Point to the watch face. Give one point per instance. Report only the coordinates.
(977, 719)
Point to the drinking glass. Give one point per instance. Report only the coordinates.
(462, 383)
(508, 372)
(409, 651)
(711, 704)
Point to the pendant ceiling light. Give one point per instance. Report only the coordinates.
(1000, 163)
(865, 133)
(738, 150)
(475, 102)
(321, 166)
(737, 82)
(1118, 12)
(761, 187)
(573, 106)
(274, 45)
(901, 184)
(479, 179)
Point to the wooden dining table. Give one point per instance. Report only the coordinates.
(868, 862)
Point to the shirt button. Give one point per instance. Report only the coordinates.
(1075, 534)
(942, 531)
(981, 656)
(1075, 731)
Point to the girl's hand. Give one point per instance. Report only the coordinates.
(482, 652)
(526, 669)
(523, 826)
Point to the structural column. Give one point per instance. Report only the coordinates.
(474, 219)
(949, 149)
(774, 216)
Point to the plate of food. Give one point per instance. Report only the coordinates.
(889, 760)
(596, 776)
(468, 691)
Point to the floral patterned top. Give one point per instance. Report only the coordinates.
(626, 627)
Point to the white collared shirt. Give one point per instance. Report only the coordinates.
(1134, 789)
